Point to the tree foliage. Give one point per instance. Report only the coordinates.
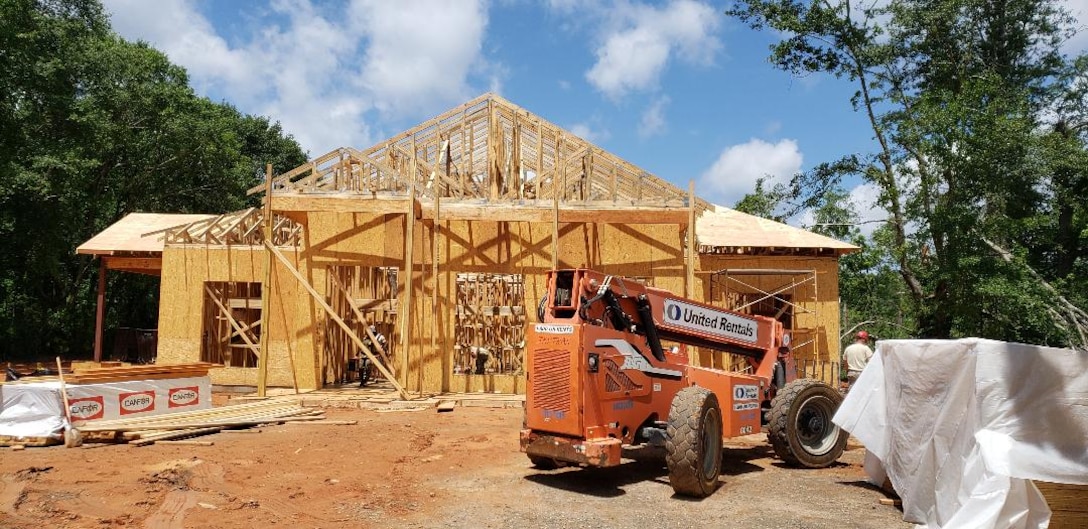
(979, 154)
(93, 127)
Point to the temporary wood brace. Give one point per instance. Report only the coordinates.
(362, 319)
(233, 323)
(336, 317)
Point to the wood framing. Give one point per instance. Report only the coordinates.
(461, 218)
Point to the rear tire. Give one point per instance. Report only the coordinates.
(800, 427)
(693, 442)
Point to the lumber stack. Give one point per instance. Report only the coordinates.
(124, 373)
(1069, 504)
(141, 431)
(145, 372)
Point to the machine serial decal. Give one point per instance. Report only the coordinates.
(633, 359)
(553, 328)
(718, 323)
(741, 406)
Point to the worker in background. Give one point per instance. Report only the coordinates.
(856, 356)
(363, 362)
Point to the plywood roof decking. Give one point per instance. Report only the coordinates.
(136, 233)
(721, 227)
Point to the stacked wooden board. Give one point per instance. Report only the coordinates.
(1069, 504)
(122, 373)
(147, 430)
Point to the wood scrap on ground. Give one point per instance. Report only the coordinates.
(142, 431)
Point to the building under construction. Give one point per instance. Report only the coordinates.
(439, 239)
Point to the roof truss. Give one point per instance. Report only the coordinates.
(487, 149)
(237, 228)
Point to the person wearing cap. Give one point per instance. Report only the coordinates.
(856, 357)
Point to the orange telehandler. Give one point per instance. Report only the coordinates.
(604, 373)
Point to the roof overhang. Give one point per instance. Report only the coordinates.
(725, 231)
(135, 243)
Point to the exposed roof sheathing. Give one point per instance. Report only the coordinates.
(720, 227)
(136, 233)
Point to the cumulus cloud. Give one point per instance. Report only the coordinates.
(419, 52)
(639, 41)
(653, 118)
(326, 75)
(735, 172)
(588, 132)
(1079, 9)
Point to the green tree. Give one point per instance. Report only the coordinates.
(93, 127)
(765, 203)
(970, 171)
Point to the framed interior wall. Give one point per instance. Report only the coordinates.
(489, 329)
(231, 328)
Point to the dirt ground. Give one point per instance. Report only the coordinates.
(411, 469)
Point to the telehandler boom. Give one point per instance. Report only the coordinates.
(606, 370)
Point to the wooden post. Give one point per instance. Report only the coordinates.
(405, 315)
(266, 286)
(690, 290)
(272, 250)
(434, 290)
(556, 186)
(100, 311)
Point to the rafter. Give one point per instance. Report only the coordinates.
(487, 148)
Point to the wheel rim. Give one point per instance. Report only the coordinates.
(815, 430)
(712, 436)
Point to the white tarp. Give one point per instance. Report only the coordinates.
(35, 409)
(31, 410)
(959, 427)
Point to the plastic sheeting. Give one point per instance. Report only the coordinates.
(36, 409)
(31, 410)
(960, 427)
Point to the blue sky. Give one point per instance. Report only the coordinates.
(672, 86)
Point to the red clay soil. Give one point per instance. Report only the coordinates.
(408, 469)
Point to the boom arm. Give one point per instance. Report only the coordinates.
(657, 314)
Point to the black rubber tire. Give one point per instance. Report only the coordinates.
(545, 463)
(693, 442)
(800, 428)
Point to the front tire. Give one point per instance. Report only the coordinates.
(693, 442)
(800, 427)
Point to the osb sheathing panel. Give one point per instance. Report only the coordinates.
(821, 297)
(185, 271)
(655, 252)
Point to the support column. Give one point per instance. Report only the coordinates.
(266, 287)
(100, 311)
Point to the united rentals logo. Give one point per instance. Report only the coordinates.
(87, 408)
(137, 402)
(180, 397)
(710, 321)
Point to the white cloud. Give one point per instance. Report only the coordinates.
(653, 118)
(640, 40)
(419, 52)
(1079, 9)
(735, 172)
(589, 132)
(324, 75)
